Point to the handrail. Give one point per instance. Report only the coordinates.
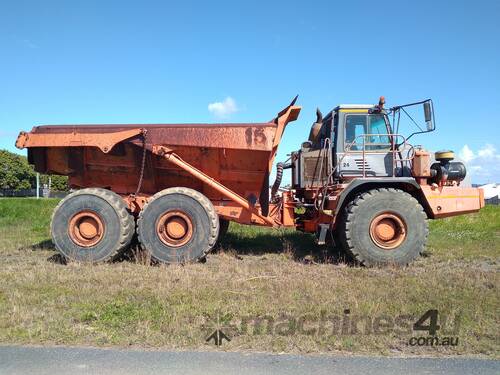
(392, 146)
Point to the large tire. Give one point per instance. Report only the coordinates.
(383, 226)
(91, 225)
(178, 225)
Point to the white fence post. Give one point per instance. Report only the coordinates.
(37, 185)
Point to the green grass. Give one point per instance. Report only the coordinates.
(471, 237)
(25, 221)
(278, 275)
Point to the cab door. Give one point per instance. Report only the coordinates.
(365, 148)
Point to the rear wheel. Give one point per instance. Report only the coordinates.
(178, 225)
(91, 225)
(384, 226)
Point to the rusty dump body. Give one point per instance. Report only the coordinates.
(234, 160)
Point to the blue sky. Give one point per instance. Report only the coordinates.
(159, 61)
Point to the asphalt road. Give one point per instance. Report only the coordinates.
(76, 361)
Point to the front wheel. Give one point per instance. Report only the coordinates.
(383, 226)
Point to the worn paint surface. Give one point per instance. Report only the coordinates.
(238, 157)
(447, 201)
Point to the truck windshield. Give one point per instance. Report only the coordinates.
(359, 125)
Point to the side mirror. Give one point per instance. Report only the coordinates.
(428, 115)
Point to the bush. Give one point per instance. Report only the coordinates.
(17, 174)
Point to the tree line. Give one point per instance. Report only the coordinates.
(17, 174)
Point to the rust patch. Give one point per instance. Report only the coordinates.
(248, 136)
(259, 136)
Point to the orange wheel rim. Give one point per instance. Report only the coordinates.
(388, 230)
(174, 228)
(86, 228)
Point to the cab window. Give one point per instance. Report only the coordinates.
(358, 125)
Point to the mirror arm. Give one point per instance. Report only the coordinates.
(422, 132)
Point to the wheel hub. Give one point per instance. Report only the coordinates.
(388, 230)
(174, 228)
(86, 229)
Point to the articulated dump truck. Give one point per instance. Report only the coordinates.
(354, 183)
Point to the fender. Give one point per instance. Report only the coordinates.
(362, 184)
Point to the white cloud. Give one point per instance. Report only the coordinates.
(466, 153)
(223, 109)
(487, 151)
(484, 165)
